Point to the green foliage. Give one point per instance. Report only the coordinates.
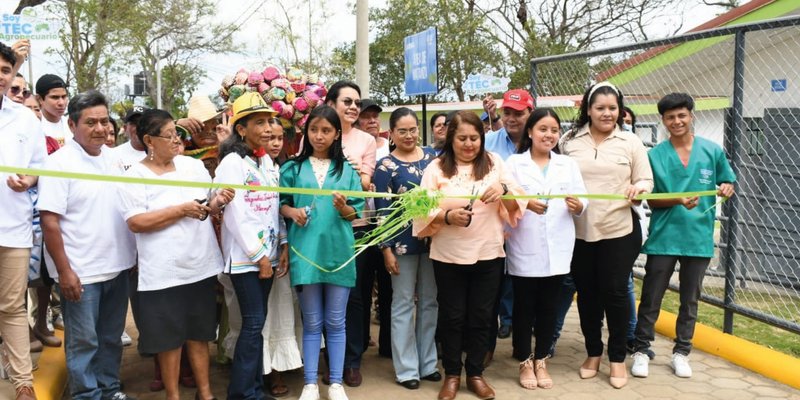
(461, 51)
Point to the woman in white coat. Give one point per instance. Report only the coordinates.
(539, 249)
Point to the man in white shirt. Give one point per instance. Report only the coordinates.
(51, 91)
(88, 249)
(22, 145)
(132, 151)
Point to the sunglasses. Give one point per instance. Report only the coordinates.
(349, 102)
(16, 89)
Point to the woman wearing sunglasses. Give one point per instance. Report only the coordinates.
(178, 254)
(18, 91)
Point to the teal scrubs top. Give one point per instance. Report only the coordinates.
(676, 231)
(326, 241)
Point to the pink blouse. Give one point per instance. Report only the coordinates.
(483, 238)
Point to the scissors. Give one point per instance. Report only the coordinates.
(471, 202)
(310, 208)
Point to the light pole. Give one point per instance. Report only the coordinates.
(362, 46)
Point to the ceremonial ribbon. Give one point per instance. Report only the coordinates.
(412, 204)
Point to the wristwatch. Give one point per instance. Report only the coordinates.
(505, 188)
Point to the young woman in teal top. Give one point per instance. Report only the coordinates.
(321, 244)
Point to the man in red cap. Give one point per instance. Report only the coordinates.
(517, 106)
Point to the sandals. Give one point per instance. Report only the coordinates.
(277, 387)
(527, 376)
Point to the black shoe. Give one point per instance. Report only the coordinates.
(504, 332)
(410, 384)
(434, 377)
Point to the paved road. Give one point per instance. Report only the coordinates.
(714, 378)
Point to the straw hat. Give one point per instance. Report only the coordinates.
(202, 109)
(250, 103)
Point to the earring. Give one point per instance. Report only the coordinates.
(151, 154)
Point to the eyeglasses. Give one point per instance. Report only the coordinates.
(171, 138)
(16, 89)
(349, 102)
(407, 132)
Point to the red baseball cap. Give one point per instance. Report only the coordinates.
(518, 99)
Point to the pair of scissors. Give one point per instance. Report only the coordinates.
(470, 204)
(308, 210)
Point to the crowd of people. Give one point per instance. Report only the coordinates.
(484, 264)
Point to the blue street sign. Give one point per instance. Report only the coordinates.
(778, 85)
(421, 68)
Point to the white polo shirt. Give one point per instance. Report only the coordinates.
(97, 241)
(22, 145)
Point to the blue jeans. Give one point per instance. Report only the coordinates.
(413, 345)
(252, 294)
(320, 304)
(563, 303)
(93, 328)
(505, 305)
(632, 323)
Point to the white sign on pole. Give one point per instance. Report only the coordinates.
(483, 83)
(26, 26)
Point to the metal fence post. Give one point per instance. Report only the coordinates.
(534, 72)
(730, 207)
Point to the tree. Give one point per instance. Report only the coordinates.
(89, 38)
(174, 33)
(461, 51)
(550, 27)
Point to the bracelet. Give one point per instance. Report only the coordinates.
(445, 217)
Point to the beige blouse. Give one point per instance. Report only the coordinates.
(608, 168)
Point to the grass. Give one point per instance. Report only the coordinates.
(743, 327)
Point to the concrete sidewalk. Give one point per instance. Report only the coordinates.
(714, 378)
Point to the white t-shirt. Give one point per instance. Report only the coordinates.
(124, 156)
(58, 130)
(97, 241)
(184, 252)
(252, 227)
(22, 145)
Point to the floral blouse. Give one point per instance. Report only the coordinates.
(395, 176)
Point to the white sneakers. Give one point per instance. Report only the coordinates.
(336, 392)
(126, 339)
(640, 367)
(310, 392)
(680, 363)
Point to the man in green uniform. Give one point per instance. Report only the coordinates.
(681, 229)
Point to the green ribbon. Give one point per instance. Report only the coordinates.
(411, 203)
(323, 192)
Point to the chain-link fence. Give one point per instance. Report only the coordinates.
(745, 80)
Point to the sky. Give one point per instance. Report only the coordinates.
(252, 19)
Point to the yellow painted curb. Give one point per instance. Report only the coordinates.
(50, 379)
(770, 363)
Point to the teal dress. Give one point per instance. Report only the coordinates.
(326, 242)
(676, 231)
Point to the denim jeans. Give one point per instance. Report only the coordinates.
(92, 338)
(563, 302)
(632, 322)
(323, 304)
(414, 325)
(247, 368)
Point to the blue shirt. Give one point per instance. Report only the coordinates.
(499, 142)
(395, 176)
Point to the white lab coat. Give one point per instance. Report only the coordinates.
(541, 245)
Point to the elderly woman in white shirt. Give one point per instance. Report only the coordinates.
(179, 258)
(539, 249)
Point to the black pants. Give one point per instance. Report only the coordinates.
(534, 307)
(359, 304)
(601, 271)
(658, 271)
(466, 296)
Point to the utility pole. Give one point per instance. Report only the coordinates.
(362, 47)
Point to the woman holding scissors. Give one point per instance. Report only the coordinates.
(467, 247)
